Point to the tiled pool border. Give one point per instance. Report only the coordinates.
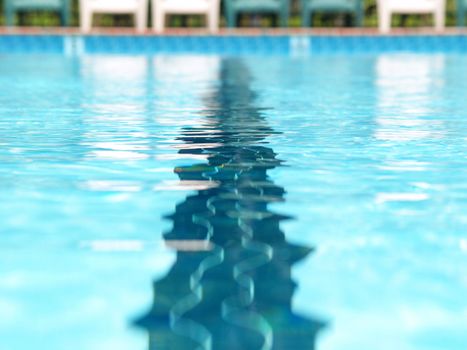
(230, 42)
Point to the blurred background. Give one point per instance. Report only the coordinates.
(41, 18)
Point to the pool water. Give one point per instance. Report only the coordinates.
(240, 202)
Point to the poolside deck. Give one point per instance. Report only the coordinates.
(234, 32)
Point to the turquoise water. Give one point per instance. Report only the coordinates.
(181, 202)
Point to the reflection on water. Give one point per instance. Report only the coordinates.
(407, 87)
(231, 285)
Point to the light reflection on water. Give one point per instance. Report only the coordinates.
(371, 151)
(407, 86)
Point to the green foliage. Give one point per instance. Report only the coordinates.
(50, 19)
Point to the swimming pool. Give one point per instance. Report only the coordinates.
(292, 197)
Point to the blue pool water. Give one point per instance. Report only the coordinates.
(233, 202)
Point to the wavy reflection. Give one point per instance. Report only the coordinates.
(231, 284)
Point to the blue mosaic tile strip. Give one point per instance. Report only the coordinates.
(362, 44)
(230, 45)
(191, 44)
(31, 44)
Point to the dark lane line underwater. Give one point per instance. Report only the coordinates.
(231, 285)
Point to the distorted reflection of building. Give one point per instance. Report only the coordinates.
(231, 284)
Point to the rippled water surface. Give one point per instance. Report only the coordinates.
(202, 202)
